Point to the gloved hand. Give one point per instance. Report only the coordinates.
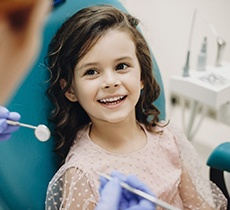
(114, 197)
(5, 129)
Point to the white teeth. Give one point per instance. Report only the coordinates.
(111, 99)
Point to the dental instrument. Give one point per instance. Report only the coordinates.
(186, 67)
(220, 45)
(151, 198)
(41, 132)
(202, 57)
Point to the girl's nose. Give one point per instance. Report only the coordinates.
(110, 86)
(111, 80)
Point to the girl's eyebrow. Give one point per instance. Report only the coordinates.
(124, 57)
(87, 65)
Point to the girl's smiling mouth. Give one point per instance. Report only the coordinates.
(112, 101)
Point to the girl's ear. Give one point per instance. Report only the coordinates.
(69, 94)
(142, 84)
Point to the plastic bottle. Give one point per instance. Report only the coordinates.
(202, 57)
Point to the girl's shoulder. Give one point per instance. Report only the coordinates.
(170, 127)
(166, 128)
(169, 132)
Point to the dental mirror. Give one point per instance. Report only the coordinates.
(41, 132)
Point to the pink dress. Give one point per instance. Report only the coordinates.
(168, 164)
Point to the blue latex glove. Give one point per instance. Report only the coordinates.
(5, 129)
(114, 197)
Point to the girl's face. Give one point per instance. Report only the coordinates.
(107, 81)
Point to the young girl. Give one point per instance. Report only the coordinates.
(103, 91)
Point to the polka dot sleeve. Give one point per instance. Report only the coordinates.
(70, 191)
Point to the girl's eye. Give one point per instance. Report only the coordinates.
(90, 72)
(121, 66)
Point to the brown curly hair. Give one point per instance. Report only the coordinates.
(69, 45)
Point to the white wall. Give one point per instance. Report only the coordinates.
(166, 25)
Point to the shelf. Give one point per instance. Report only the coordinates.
(210, 87)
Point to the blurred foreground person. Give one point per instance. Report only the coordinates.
(21, 23)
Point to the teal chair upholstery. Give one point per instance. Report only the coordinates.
(219, 162)
(27, 165)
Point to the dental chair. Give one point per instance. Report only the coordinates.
(27, 165)
(219, 163)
